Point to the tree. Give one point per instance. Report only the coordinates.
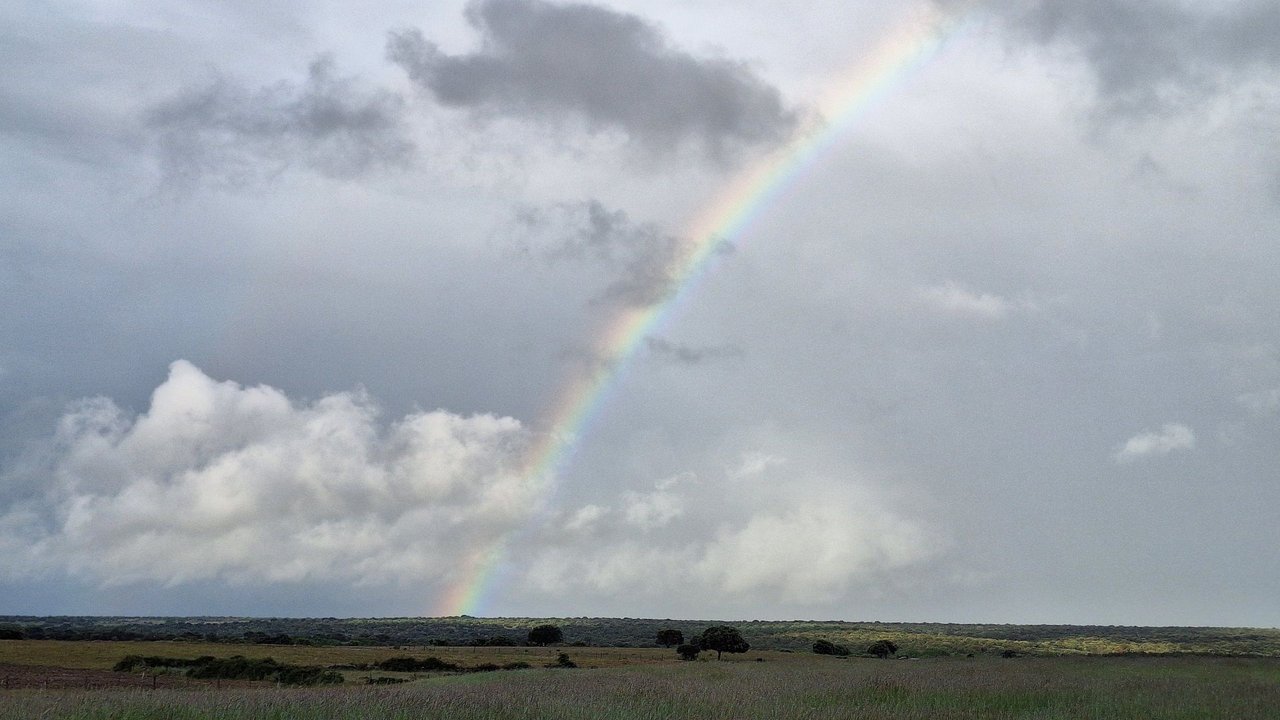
(882, 648)
(688, 652)
(545, 635)
(826, 647)
(670, 638)
(723, 638)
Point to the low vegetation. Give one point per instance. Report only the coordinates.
(236, 667)
(807, 686)
(912, 639)
(826, 647)
(729, 671)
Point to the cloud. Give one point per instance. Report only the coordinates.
(955, 301)
(812, 553)
(643, 261)
(753, 464)
(338, 126)
(584, 519)
(1262, 403)
(614, 70)
(1154, 56)
(216, 481)
(682, 354)
(1170, 437)
(806, 546)
(657, 507)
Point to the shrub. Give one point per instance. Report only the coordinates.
(688, 652)
(563, 661)
(826, 647)
(239, 667)
(408, 664)
(495, 641)
(882, 648)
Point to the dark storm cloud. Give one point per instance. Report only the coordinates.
(641, 259)
(1154, 56)
(682, 354)
(335, 125)
(615, 70)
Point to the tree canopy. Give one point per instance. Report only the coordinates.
(545, 635)
(723, 638)
(688, 652)
(670, 638)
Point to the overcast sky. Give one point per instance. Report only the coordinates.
(290, 289)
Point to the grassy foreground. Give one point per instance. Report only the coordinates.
(815, 687)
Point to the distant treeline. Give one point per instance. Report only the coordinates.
(915, 639)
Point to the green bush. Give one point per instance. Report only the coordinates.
(408, 664)
(882, 648)
(826, 647)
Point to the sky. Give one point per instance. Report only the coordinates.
(316, 309)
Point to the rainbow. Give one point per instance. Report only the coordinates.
(735, 209)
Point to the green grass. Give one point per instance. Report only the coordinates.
(808, 687)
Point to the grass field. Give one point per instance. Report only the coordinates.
(804, 686)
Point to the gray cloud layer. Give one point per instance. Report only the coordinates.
(641, 258)
(336, 125)
(683, 354)
(1154, 56)
(971, 318)
(612, 69)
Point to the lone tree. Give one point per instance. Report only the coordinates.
(723, 638)
(882, 648)
(545, 635)
(670, 638)
(688, 652)
(826, 647)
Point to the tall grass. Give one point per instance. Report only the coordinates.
(939, 689)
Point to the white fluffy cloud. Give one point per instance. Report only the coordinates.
(1170, 437)
(220, 481)
(802, 551)
(242, 485)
